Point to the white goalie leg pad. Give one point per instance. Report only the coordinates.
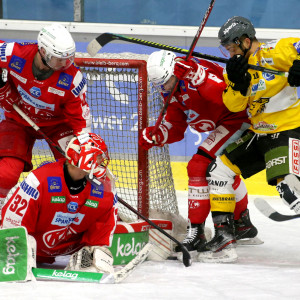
(227, 255)
(162, 245)
(92, 259)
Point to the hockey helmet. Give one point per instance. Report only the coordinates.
(57, 43)
(160, 67)
(88, 152)
(234, 28)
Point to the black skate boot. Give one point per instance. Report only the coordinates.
(222, 246)
(195, 237)
(245, 231)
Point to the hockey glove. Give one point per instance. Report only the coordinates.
(236, 69)
(190, 71)
(91, 259)
(294, 74)
(147, 140)
(8, 97)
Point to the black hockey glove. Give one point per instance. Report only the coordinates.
(294, 74)
(237, 71)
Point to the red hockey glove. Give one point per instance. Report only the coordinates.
(190, 71)
(147, 141)
(8, 97)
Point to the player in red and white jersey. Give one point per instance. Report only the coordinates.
(198, 103)
(45, 84)
(63, 211)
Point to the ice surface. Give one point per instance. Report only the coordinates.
(268, 271)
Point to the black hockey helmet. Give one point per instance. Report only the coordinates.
(234, 28)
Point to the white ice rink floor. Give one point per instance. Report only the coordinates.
(268, 271)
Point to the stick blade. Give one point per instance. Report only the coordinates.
(186, 256)
(93, 47)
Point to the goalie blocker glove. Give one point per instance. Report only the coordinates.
(147, 140)
(190, 71)
(237, 71)
(294, 74)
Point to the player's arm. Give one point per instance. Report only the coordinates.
(95, 256)
(22, 208)
(76, 108)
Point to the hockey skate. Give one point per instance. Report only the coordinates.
(245, 231)
(195, 237)
(221, 249)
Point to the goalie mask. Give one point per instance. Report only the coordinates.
(88, 152)
(56, 46)
(160, 67)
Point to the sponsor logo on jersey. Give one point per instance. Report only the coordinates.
(77, 90)
(294, 159)
(97, 191)
(219, 183)
(268, 76)
(33, 101)
(297, 46)
(58, 199)
(263, 126)
(56, 91)
(2, 52)
(72, 206)
(35, 92)
(276, 161)
(267, 60)
(17, 63)
(29, 190)
(91, 203)
(64, 81)
(191, 115)
(260, 86)
(20, 78)
(54, 184)
(65, 219)
(215, 137)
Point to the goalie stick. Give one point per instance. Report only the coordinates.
(266, 209)
(91, 277)
(187, 261)
(95, 45)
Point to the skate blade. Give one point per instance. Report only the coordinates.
(250, 241)
(225, 256)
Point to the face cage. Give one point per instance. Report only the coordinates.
(98, 169)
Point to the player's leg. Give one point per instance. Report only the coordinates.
(239, 158)
(198, 202)
(15, 154)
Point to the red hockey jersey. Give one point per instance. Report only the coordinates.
(200, 107)
(58, 99)
(60, 222)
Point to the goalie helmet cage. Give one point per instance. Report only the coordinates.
(122, 104)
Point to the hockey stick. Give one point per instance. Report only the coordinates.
(95, 45)
(265, 208)
(188, 55)
(186, 255)
(91, 277)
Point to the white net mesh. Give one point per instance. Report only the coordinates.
(112, 95)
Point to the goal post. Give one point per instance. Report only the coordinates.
(122, 104)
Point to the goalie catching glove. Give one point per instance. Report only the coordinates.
(147, 140)
(91, 259)
(190, 71)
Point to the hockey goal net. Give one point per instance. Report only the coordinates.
(122, 103)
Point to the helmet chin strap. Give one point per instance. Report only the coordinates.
(244, 50)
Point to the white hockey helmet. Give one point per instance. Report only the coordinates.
(160, 66)
(57, 42)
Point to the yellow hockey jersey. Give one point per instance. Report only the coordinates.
(272, 105)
